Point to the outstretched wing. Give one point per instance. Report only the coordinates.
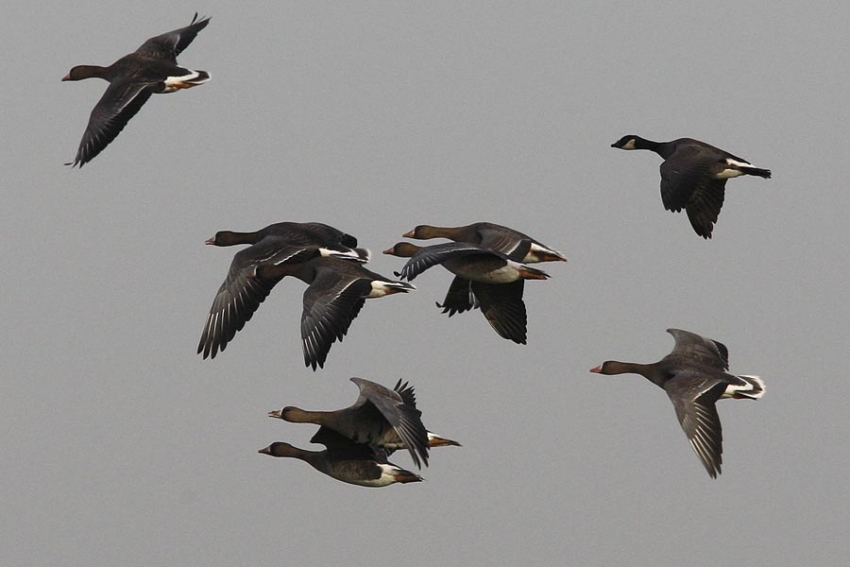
(121, 101)
(170, 44)
(694, 347)
(504, 308)
(694, 400)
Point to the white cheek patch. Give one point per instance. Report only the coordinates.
(630, 145)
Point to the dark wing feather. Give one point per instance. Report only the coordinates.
(331, 303)
(705, 204)
(327, 234)
(341, 447)
(405, 419)
(170, 44)
(240, 295)
(687, 182)
(407, 393)
(459, 298)
(121, 101)
(515, 246)
(694, 398)
(693, 347)
(504, 308)
(429, 256)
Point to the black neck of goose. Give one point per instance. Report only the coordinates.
(88, 71)
(231, 238)
(289, 451)
(664, 149)
(652, 372)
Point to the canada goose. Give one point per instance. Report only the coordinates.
(693, 176)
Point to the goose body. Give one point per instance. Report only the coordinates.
(151, 69)
(241, 293)
(380, 417)
(693, 176)
(695, 376)
(516, 245)
(483, 278)
(346, 461)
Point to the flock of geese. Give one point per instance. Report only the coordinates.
(489, 263)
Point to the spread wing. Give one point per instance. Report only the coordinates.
(121, 101)
(331, 303)
(170, 44)
(459, 298)
(694, 347)
(504, 308)
(690, 185)
(404, 418)
(429, 256)
(694, 398)
(241, 294)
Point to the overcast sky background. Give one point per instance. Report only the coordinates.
(123, 447)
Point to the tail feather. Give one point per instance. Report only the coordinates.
(529, 273)
(344, 253)
(382, 288)
(757, 171)
(756, 390)
(401, 287)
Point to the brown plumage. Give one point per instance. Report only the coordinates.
(151, 69)
(516, 245)
(694, 377)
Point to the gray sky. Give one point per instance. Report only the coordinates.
(123, 447)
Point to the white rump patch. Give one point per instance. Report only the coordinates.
(734, 170)
(753, 390)
(176, 83)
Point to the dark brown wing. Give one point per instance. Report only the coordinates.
(693, 347)
(121, 101)
(504, 308)
(331, 303)
(694, 398)
(459, 298)
(170, 44)
(405, 419)
(241, 293)
(687, 182)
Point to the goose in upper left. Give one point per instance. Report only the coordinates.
(152, 68)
